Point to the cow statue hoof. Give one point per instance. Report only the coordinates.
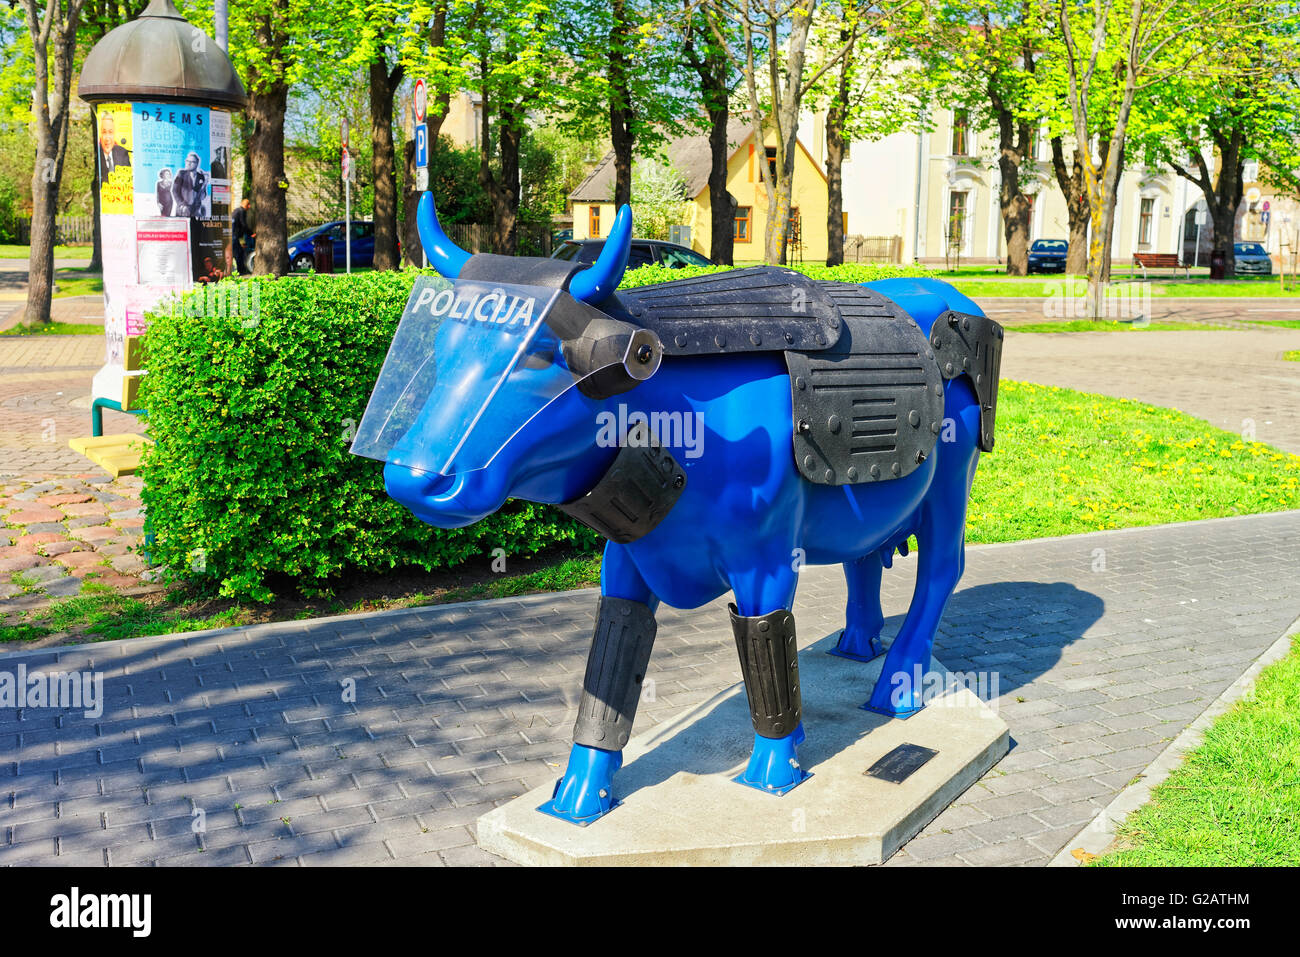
(774, 764)
(711, 429)
(586, 792)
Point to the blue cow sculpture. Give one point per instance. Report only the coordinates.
(529, 415)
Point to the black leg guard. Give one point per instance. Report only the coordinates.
(770, 663)
(616, 664)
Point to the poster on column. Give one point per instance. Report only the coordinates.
(173, 162)
(113, 159)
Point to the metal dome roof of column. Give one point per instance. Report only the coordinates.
(153, 58)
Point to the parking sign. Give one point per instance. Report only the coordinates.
(421, 146)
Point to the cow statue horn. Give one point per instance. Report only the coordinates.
(444, 255)
(599, 282)
(592, 285)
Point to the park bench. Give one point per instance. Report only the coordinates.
(1159, 261)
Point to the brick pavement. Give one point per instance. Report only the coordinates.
(381, 739)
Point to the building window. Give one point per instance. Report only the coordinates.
(960, 133)
(1145, 218)
(593, 223)
(744, 223)
(957, 219)
(771, 163)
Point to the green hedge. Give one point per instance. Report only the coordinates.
(252, 389)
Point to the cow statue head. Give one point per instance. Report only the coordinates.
(496, 375)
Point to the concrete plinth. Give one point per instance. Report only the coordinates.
(681, 806)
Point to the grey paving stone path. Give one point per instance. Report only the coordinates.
(380, 739)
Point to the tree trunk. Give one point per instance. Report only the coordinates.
(722, 205)
(713, 69)
(270, 186)
(786, 114)
(1070, 179)
(50, 122)
(383, 83)
(412, 252)
(96, 263)
(1013, 144)
(620, 103)
(504, 192)
(835, 118)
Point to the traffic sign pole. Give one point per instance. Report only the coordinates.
(420, 102)
(347, 198)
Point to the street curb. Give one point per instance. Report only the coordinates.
(1100, 832)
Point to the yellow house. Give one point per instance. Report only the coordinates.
(593, 208)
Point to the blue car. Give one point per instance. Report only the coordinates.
(363, 245)
(1047, 255)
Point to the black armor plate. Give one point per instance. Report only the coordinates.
(971, 345)
(871, 407)
(761, 309)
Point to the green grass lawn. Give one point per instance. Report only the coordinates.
(1110, 325)
(107, 615)
(1066, 462)
(1235, 800)
(56, 329)
(1038, 287)
(1280, 323)
(74, 281)
(1292, 356)
(9, 251)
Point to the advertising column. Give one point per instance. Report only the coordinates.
(164, 182)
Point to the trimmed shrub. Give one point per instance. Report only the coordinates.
(254, 389)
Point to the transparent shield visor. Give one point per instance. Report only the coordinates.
(471, 364)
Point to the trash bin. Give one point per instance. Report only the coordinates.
(1218, 264)
(322, 254)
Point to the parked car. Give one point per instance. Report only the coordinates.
(561, 236)
(1047, 255)
(1252, 259)
(363, 245)
(644, 252)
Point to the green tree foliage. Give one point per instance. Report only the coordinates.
(658, 196)
(1206, 123)
(624, 77)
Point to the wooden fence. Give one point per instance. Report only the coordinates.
(873, 249)
(67, 230)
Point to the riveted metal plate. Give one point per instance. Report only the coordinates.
(971, 345)
(901, 763)
(761, 309)
(870, 408)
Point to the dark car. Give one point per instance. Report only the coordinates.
(363, 245)
(644, 252)
(1252, 259)
(1047, 255)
